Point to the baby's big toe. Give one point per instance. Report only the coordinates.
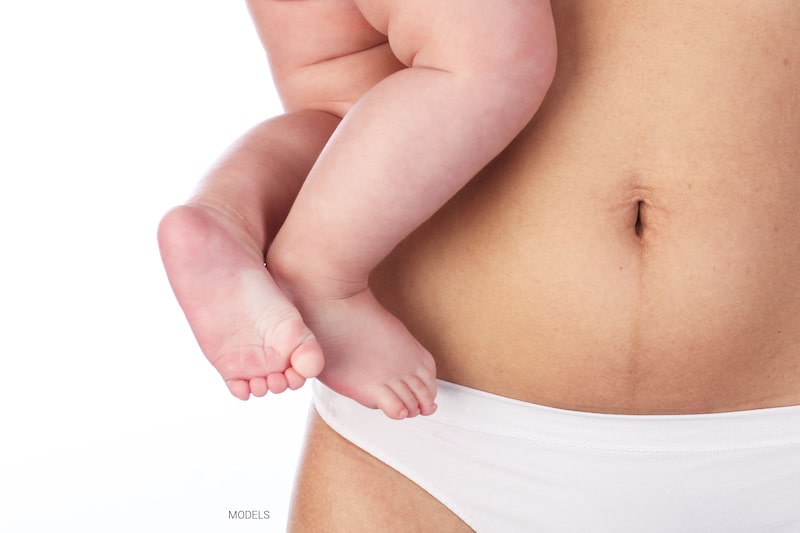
(307, 359)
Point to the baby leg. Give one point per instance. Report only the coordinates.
(213, 253)
(404, 149)
(369, 354)
(243, 323)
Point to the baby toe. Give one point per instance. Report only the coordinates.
(424, 394)
(294, 379)
(258, 386)
(307, 359)
(388, 401)
(239, 388)
(277, 382)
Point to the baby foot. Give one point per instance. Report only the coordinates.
(371, 357)
(244, 324)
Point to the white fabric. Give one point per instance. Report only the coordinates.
(507, 466)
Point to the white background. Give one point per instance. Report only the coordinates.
(110, 417)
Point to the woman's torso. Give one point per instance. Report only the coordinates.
(637, 248)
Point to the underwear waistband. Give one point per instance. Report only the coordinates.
(490, 414)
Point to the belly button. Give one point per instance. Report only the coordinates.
(638, 227)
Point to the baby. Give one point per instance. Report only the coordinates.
(429, 91)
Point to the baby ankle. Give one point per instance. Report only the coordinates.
(312, 277)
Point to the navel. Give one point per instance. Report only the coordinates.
(638, 226)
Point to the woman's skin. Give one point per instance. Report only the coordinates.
(635, 250)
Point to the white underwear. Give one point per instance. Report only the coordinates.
(506, 466)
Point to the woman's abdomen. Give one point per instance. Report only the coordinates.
(637, 248)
